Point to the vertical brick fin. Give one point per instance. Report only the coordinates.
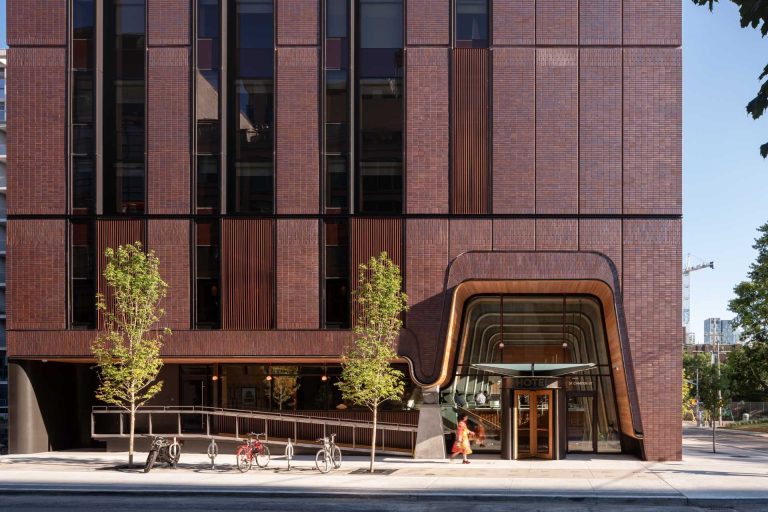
(653, 22)
(246, 274)
(557, 22)
(469, 235)
(603, 236)
(298, 267)
(170, 239)
(557, 234)
(469, 188)
(514, 234)
(298, 147)
(298, 22)
(370, 237)
(168, 131)
(428, 22)
(514, 22)
(36, 142)
(600, 131)
(600, 22)
(557, 129)
(652, 131)
(514, 130)
(113, 234)
(36, 290)
(426, 261)
(427, 129)
(168, 22)
(36, 23)
(653, 304)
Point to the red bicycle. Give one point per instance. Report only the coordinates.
(252, 449)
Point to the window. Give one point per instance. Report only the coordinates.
(83, 272)
(380, 103)
(207, 99)
(83, 170)
(472, 23)
(124, 110)
(336, 273)
(251, 140)
(207, 277)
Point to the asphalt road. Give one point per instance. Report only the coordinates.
(728, 439)
(230, 503)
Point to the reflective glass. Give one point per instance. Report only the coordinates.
(83, 310)
(207, 275)
(472, 23)
(208, 183)
(336, 274)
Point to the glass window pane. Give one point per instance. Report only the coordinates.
(129, 189)
(82, 19)
(82, 97)
(83, 275)
(208, 183)
(129, 17)
(82, 139)
(82, 53)
(336, 98)
(207, 275)
(472, 23)
(83, 185)
(381, 24)
(207, 138)
(336, 18)
(337, 182)
(253, 187)
(255, 117)
(208, 18)
(254, 24)
(336, 274)
(207, 95)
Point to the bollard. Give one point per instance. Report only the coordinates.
(289, 453)
(213, 452)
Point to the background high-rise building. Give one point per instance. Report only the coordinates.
(719, 330)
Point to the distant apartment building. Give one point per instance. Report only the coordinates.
(722, 331)
(3, 218)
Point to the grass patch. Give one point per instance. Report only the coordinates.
(750, 426)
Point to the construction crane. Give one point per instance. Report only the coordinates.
(687, 269)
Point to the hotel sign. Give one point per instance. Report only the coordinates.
(531, 382)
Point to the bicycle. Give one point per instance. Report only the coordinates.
(253, 448)
(162, 451)
(329, 456)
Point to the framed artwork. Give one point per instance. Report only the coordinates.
(248, 396)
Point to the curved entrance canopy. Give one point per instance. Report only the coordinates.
(534, 369)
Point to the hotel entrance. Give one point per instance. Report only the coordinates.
(532, 420)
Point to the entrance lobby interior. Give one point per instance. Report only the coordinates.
(534, 375)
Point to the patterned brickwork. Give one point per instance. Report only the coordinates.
(600, 22)
(652, 301)
(37, 22)
(652, 131)
(427, 132)
(557, 22)
(36, 275)
(170, 240)
(428, 22)
(603, 236)
(653, 22)
(168, 22)
(36, 135)
(600, 131)
(297, 131)
(514, 130)
(426, 261)
(469, 235)
(557, 118)
(557, 234)
(514, 22)
(298, 276)
(514, 234)
(168, 130)
(298, 22)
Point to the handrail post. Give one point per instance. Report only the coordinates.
(353, 437)
(178, 422)
(121, 422)
(93, 424)
(237, 428)
(150, 423)
(208, 425)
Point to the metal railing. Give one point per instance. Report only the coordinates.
(194, 422)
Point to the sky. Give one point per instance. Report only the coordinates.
(724, 178)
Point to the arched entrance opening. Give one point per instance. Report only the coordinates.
(535, 374)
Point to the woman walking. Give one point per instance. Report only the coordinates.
(461, 446)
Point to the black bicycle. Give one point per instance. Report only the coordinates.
(161, 450)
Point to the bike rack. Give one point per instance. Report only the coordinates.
(213, 452)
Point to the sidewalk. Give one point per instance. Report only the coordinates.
(702, 478)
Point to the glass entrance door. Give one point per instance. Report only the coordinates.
(581, 420)
(533, 424)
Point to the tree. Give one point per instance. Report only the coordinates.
(751, 308)
(754, 13)
(285, 384)
(367, 376)
(714, 389)
(127, 351)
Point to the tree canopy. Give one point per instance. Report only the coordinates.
(754, 14)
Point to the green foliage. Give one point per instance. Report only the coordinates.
(285, 384)
(367, 377)
(750, 363)
(127, 351)
(687, 400)
(710, 382)
(754, 14)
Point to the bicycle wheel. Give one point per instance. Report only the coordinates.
(323, 461)
(174, 454)
(262, 456)
(336, 457)
(244, 460)
(151, 458)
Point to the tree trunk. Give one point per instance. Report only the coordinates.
(373, 439)
(130, 439)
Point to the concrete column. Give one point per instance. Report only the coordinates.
(430, 442)
(27, 432)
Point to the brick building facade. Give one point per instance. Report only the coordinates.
(263, 150)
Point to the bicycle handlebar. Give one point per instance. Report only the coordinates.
(254, 434)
